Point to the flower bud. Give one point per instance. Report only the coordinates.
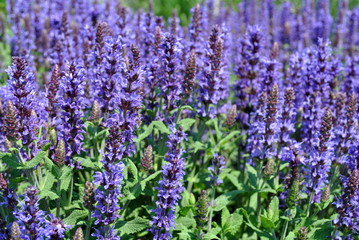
(202, 209)
(89, 199)
(60, 152)
(96, 111)
(147, 159)
(79, 235)
(269, 168)
(231, 116)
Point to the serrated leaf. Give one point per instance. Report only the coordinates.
(273, 210)
(46, 147)
(86, 162)
(186, 123)
(133, 169)
(35, 161)
(149, 178)
(212, 234)
(161, 126)
(225, 218)
(133, 226)
(267, 222)
(66, 176)
(47, 181)
(228, 138)
(237, 221)
(290, 236)
(220, 203)
(186, 221)
(146, 133)
(51, 195)
(48, 163)
(9, 159)
(252, 176)
(75, 216)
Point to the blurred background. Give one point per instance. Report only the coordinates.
(165, 7)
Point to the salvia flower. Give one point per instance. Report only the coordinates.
(71, 126)
(213, 79)
(320, 158)
(218, 163)
(169, 187)
(110, 180)
(30, 218)
(347, 205)
(22, 87)
(55, 228)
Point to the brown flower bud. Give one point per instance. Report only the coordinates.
(79, 235)
(231, 116)
(60, 152)
(15, 231)
(325, 194)
(269, 168)
(147, 159)
(96, 111)
(89, 197)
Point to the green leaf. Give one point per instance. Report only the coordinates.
(212, 234)
(161, 126)
(186, 123)
(267, 222)
(290, 236)
(46, 147)
(51, 195)
(252, 176)
(47, 181)
(66, 176)
(225, 218)
(35, 161)
(87, 163)
(133, 226)
(186, 221)
(75, 216)
(273, 210)
(133, 169)
(149, 178)
(145, 134)
(9, 159)
(236, 222)
(228, 138)
(220, 203)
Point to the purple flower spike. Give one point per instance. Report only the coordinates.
(170, 187)
(218, 163)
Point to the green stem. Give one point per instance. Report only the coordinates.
(310, 203)
(71, 191)
(284, 230)
(88, 226)
(274, 235)
(190, 181)
(58, 200)
(259, 177)
(211, 211)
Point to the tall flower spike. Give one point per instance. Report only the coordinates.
(22, 87)
(190, 75)
(110, 179)
(52, 89)
(169, 187)
(213, 80)
(30, 218)
(71, 126)
(347, 206)
(218, 163)
(320, 157)
(202, 209)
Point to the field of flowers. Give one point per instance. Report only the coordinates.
(116, 123)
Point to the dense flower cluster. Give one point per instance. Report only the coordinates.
(170, 187)
(99, 99)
